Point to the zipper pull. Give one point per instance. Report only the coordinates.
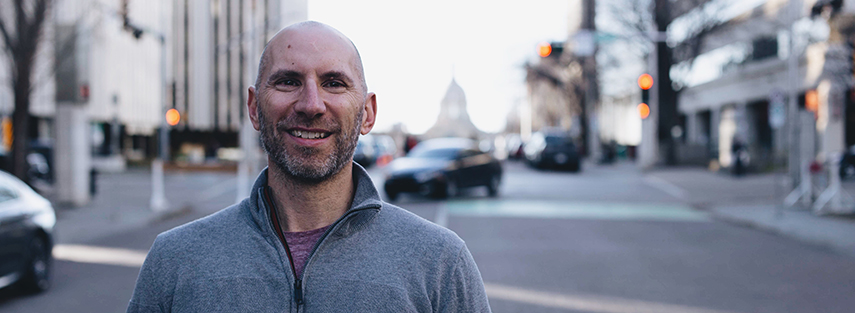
(298, 292)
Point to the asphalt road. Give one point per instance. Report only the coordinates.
(608, 239)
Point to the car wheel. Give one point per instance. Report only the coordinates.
(392, 196)
(37, 275)
(847, 171)
(575, 167)
(493, 186)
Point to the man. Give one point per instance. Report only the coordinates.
(314, 236)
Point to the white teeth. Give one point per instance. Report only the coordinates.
(306, 135)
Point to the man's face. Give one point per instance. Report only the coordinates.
(310, 104)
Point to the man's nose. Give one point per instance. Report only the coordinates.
(310, 102)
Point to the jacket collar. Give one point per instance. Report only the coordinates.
(364, 197)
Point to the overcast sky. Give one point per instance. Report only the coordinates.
(411, 51)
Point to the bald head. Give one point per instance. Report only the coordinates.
(308, 32)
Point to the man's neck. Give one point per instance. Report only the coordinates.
(303, 206)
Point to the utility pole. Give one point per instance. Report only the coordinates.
(798, 165)
(248, 164)
(590, 133)
(158, 201)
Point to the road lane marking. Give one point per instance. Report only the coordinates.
(550, 209)
(666, 187)
(99, 255)
(586, 303)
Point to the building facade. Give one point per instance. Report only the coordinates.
(197, 56)
(746, 105)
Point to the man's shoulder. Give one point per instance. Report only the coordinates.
(225, 221)
(407, 223)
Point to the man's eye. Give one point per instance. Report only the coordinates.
(287, 82)
(335, 84)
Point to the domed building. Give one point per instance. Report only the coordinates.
(453, 119)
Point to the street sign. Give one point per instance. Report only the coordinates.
(777, 112)
(584, 44)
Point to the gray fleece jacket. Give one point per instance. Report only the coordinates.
(375, 258)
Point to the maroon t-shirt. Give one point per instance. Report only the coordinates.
(301, 243)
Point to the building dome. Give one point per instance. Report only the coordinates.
(453, 119)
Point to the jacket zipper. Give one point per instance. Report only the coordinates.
(298, 283)
(274, 218)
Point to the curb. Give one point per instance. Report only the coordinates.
(777, 231)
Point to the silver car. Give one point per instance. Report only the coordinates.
(27, 222)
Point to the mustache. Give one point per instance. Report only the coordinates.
(303, 121)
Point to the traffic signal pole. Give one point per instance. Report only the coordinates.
(647, 150)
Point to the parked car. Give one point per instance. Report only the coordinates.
(441, 168)
(514, 146)
(552, 149)
(385, 149)
(364, 153)
(847, 164)
(27, 223)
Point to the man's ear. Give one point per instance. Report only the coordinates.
(252, 107)
(369, 114)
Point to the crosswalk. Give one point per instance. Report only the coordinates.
(551, 209)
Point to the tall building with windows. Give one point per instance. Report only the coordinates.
(217, 45)
(197, 56)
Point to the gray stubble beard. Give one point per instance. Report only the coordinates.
(291, 166)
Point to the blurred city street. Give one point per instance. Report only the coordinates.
(608, 156)
(607, 239)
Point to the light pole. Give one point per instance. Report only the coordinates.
(158, 201)
(158, 195)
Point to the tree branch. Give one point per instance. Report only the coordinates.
(7, 39)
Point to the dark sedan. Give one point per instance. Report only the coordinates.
(441, 168)
(26, 230)
(552, 149)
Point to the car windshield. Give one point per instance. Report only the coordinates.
(439, 153)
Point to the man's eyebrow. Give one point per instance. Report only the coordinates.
(279, 74)
(337, 75)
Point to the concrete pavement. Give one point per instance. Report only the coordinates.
(122, 202)
(756, 200)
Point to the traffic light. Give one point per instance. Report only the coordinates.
(547, 49)
(643, 110)
(645, 82)
(173, 117)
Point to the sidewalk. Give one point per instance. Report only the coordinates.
(122, 202)
(756, 200)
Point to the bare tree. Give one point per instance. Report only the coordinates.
(21, 33)
(562, 77)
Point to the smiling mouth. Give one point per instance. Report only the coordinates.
(308, 135)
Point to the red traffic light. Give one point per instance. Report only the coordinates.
(173, 117)
(645, 81)
(544, 49)
(643, 110)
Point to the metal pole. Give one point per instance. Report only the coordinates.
(792, 107)
(799, 175)
(648, 150)
(245, 131)
(158, 194)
